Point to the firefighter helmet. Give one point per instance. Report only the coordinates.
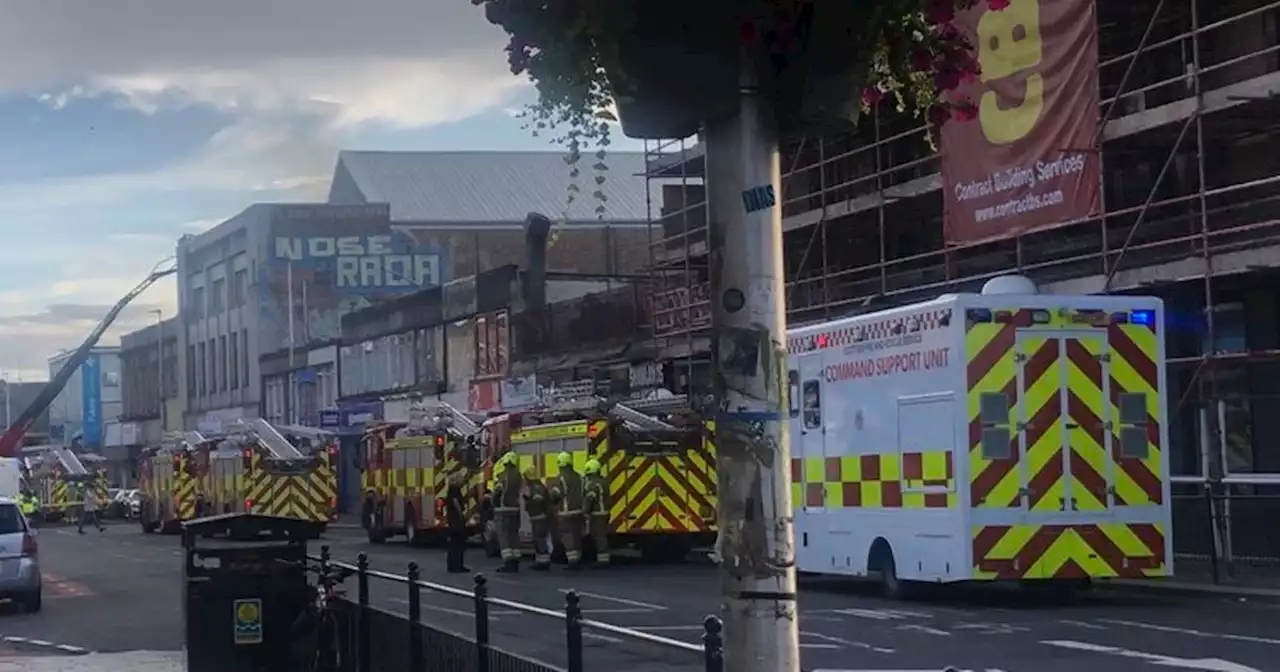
(564, 459)
(592, 467)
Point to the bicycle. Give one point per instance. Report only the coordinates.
(317, 626)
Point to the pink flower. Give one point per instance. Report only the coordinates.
(946, 79)
(940, 12)
(872, 96)
(998, 5)
(964, 110)
(939, 115)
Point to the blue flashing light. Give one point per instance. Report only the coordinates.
(1146, 318)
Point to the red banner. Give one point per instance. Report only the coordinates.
(1030, 159)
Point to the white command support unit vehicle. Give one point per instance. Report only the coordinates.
(1007, 435)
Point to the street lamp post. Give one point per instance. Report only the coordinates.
(160, 368)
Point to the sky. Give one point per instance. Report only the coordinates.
(126, 124)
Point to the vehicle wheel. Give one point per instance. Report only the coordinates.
(490, 540)
(31, 603)
(891, 587)
(411, 536)
(373, 526)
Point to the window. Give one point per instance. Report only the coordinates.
(997, 437)
(210, 365)
(235, 362)
(812, 404)
(191, 371)
(197, 303)
(200, 371)
(11, 520)
(793, 392)
(244, 356)
(239, 288)
(222, 363)
(1133, 433)
(218, 298)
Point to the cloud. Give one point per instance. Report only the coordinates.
(38, 321)
(293, 80)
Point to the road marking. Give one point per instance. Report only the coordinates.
(39, 642)
(1081, 624)
(1202, 664)
(1193, 633)
(819, 646)
(880, 614)
(660, 628)
(846, 642)
(603, 638)
(925, 629)
(620, 600)
(432, 607)
(992, 628)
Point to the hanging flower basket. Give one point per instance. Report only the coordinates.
(670, 65)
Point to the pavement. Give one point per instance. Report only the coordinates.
(120, 592)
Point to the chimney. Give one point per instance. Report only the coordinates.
(536, 229)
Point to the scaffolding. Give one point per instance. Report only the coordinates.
(1190, 212)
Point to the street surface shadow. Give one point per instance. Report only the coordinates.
(1004, 595)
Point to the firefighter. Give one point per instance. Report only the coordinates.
(455, 507)
(595, 499)
(28, 503)
(537, 505)
(506, 506)
(567, 494)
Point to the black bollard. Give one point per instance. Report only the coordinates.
(482, 623)
(364, 661)
(415, 620)
(325, 559)
(713, 644)
(573, 630)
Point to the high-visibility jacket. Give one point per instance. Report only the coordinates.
(595, 494)
(568, 492)
(537, 501)
(506, 496)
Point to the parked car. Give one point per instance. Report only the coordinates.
(20, 579)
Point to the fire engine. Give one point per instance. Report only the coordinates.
(1007, 435)
(57, 474)
(656, 455)
(253, 469)
(405, 470)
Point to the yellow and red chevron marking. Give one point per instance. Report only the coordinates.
(1106, 550)
(1134, 349)
(1086, 406)
(656, 494)
(992, 368)
(291, 497)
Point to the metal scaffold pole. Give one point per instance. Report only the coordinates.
(757, 540)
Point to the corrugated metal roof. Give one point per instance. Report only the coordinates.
(494, 187)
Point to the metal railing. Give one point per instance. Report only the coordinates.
(1229, 533)
(400, 644)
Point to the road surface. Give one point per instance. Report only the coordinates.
(845, 627)
(120, 591)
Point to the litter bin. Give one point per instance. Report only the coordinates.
(241, 598)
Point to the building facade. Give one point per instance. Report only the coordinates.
(1186, 210)
(149, 368)
(279, 277)
(90, 400)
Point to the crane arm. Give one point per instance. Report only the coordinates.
(10, 443)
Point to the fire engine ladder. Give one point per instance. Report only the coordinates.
(272, 439)
(461, 420)
(70, 461)
(637, 419)
(316, 436)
